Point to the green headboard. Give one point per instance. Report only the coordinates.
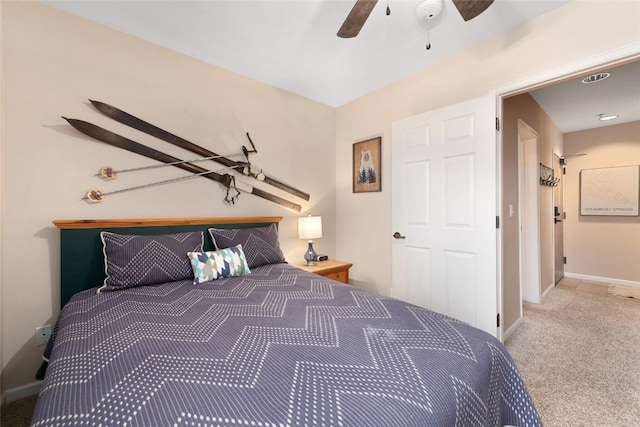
(81, 256)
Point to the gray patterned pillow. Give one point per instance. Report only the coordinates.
(260, 244)
(135, 260)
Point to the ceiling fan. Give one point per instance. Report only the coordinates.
(352, 25)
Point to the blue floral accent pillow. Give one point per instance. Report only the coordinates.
(138, 260)
(220, 264)
(260, 244)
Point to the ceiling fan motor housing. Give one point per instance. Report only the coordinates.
(428, 9)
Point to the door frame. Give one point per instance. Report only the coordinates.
(529, 214)
(614, 57)
(560, 188)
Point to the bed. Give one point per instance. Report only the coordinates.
(275, 346)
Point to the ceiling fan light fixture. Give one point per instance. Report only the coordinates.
(427, 10)
(594, 78)
(608, 117)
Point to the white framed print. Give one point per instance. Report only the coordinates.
(610, 191)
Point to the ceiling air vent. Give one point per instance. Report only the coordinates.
(595, 78)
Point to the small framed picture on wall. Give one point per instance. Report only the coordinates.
(367, 170)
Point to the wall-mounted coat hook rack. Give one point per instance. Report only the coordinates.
(547, 177)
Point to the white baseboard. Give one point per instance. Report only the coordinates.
(512, 329)
(17, 393)
(545, 293)
(602, 279)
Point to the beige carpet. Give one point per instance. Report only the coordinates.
(579, 354)
(18, 413)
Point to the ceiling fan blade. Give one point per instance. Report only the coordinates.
(356, 18)
(469, 9)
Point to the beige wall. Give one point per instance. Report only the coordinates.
(602, 247)
(52, 63)
(524, 107)
(547, 43)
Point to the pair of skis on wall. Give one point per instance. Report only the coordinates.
(233, 185)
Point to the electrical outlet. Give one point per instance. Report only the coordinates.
(42, 334)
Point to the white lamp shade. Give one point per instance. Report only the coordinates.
(310, 227)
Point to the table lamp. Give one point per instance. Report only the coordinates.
(309, 228)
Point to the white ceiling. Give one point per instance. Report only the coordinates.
(575, 106)
(293, 44)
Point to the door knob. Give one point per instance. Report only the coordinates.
(397, 235)
(556, 220)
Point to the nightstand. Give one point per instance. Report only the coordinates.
(331, 269)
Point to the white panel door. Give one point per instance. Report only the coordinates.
(444, 208)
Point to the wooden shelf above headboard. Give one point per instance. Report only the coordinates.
(65, 224)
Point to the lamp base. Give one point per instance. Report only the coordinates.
(310, 256)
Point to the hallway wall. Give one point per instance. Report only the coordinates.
(601, 247)
(551, 141)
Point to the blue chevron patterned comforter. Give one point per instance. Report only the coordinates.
(279, 347)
